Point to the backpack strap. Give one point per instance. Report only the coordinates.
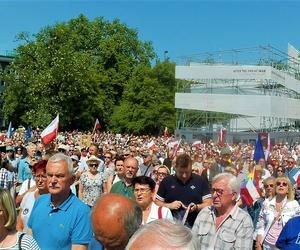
(20, 241)
(159, 213)
(28, 184)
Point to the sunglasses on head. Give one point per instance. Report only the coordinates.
(281, 183)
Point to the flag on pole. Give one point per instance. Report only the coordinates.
(196, 144)
(250, 191)
(97, 125)
(9, 131)
(28, 135)
(221, 136)
(166, 132)
(50, 133)
(151, 145)
(258, 151)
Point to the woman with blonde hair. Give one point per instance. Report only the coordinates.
(9, 237)
(275, 213)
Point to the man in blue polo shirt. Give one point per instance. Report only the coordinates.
(59, 220)
(184, 191)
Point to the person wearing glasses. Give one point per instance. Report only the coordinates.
(224, 225)
(91, 182)
(279, 172)
(275, 213)
(291, 170)
(143, 189)
(29, 198)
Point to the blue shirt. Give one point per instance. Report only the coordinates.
(24, 172)
(289, 238)
(95, 245)
(59, 228)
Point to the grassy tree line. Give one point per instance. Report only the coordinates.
(85, 70)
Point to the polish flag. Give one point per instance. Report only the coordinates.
(221, 136)
(196, 144)
(166, 132)
(151, 145)
(50, 133)
(97, 125)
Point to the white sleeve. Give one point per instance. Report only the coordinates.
(23, 187)
(167, 214)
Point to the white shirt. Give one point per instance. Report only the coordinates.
(24, 186)
(153, 215)
(26, 206)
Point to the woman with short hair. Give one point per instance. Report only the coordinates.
(11, 239)
(143, 189)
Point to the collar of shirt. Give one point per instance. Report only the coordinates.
(65, 205)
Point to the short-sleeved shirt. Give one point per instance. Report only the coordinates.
(121, 188)
(27, 243)
(195, 190)
(289, 238)
(61, 227)
(235, 232)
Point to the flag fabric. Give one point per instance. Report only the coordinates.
(221, 136)
(250, 191)
(28, 135)
(166, 132)
(97, 125)
(9, 131)
(50, 133)
(196, 144)
(151, 145)
(258, 151)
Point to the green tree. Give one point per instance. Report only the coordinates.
(147, 105)
(77, 69)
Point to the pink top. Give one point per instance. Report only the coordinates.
(274, 231)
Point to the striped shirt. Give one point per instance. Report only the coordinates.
(235, 232)
(27, 243)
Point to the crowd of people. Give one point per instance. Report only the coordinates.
(113, 191)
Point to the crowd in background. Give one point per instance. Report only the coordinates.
(158, 173)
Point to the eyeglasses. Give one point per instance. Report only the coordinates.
(161, 174)
(93, 165)
(290, 162)
(269, 185)
(279, 170)
(279, 183)
(218, 191)
(61, 150)
(141, 190)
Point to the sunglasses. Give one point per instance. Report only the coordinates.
(279, 183)
(290, 162)
(93, 165)
(279, 170)
(269, 185)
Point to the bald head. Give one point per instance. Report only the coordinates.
(115, 218)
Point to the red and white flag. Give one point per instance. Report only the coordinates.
(50, 133)
(151, 145)
(166, 132)
(196, 144)
(221, 136)
(97, 125)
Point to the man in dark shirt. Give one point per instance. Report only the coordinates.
(178, 191)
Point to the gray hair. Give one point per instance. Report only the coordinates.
(133, 220)
(233, 182)
(62, 157)
(167, 234)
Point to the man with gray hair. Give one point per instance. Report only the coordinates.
(164, 234)
(59, 220)
(224, 225)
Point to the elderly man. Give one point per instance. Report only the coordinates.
(59, 220)
(185, 188)
(224, 225)
(115, 218)
(124, 187)
(164, 234)
(292, 171)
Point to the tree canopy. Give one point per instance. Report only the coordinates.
(84, 70)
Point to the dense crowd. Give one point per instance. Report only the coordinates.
(113, 191)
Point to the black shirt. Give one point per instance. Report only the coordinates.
(195, 190)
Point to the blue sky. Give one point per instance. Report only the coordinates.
(182, 28)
